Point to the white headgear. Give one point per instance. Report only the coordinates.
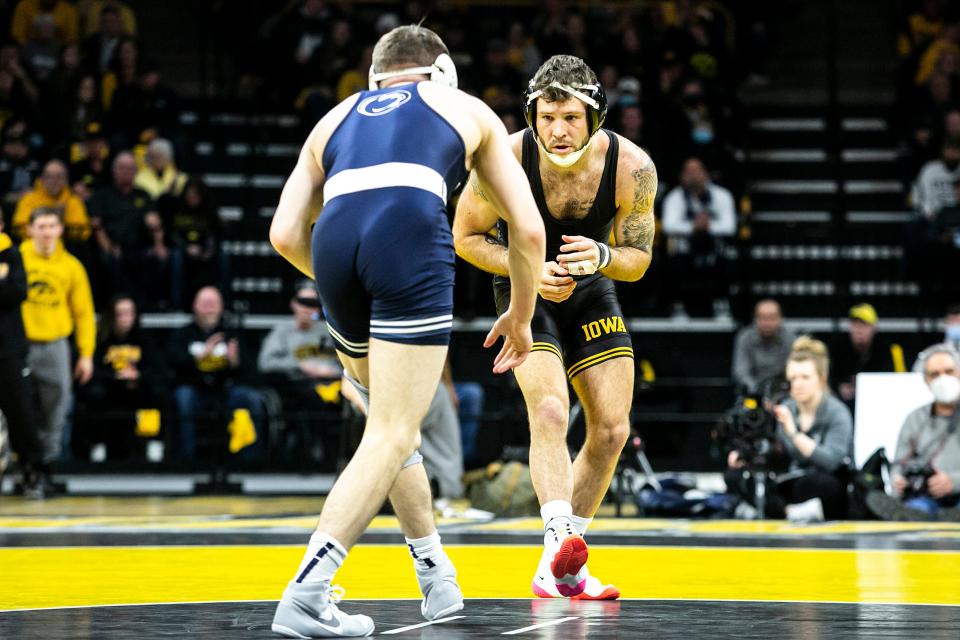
(590, 94)
(442, 71)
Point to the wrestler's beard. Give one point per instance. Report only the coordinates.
(567, 160)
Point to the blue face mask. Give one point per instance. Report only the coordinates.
(702, 135)
(953, 333)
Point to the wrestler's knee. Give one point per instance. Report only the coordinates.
(607, 437)
(550, 414)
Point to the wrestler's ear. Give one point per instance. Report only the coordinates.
(445, 71)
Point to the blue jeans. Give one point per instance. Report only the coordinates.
(193, 402)
(470, 397)
(930, 505)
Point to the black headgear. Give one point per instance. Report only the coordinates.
(590, 94)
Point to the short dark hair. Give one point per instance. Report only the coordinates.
(408, 45)
(303, 283)
(40, 212)
(569, 70)
(952, 310)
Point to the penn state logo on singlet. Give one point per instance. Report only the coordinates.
(383, 103)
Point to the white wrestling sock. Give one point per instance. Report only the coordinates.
(581, 524)
(427, 552)
(556, 509)
(323, 557)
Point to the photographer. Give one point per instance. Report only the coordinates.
(697, 215)
(815, 431)
(926, 469)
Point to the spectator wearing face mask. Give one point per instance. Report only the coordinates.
(926, 467)
(951, 326)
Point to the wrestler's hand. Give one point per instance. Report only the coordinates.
(579, 249)
(556, 285)
(517, 341)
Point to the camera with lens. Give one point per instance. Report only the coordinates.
(916, 473)
(750, 426)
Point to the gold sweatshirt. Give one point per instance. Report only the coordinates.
(59, 301)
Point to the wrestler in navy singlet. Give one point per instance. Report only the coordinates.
(383, 253)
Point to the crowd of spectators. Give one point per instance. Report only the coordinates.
(929, 115)
(809, 464)
(669, 70)
(77, 87)
(86, 125)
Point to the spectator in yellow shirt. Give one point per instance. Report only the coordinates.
(64, 19)
(51, 191)
(59, 303)
(159, 176)
(90, 12)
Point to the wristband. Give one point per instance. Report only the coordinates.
(605, 255)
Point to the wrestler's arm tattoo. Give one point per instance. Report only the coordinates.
(477, 189)
(638, 226)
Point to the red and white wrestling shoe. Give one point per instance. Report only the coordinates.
(564, 555)
(545, 585)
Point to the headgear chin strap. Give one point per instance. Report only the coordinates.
(566, 160)
(590, 94)
(442, 71)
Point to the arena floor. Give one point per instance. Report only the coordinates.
(213, 568)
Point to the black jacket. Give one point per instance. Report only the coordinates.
(213, 371)
(136, 348)
(13, 291)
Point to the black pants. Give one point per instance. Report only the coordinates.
(313, 426)
(107, 413)
(830, 488)
(16, 403)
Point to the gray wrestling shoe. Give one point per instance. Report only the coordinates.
(310, 611)
(441, 593)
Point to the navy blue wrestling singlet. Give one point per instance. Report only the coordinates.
(382, 249)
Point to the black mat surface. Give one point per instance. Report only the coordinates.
(566, 620)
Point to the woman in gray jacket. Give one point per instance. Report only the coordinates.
(815, 430)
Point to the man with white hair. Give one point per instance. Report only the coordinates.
(159, 175)
(926, 468)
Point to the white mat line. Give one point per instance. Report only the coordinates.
(539, 626)
(422, 624)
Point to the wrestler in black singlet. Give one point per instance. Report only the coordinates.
(588, 327)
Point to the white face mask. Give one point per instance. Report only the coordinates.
(945, 389)
(953, 333)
